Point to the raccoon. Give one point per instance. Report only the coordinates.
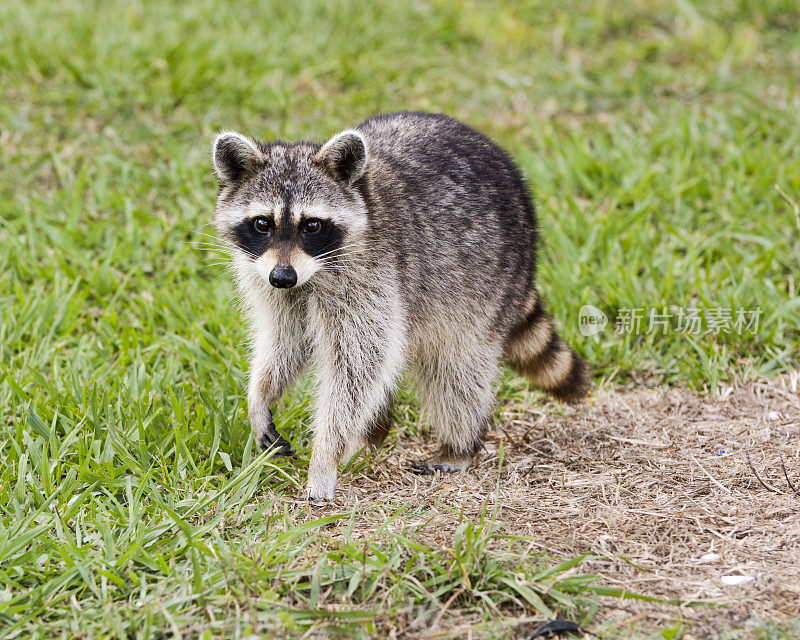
(405, 244)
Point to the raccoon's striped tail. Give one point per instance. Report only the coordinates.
(536, 351)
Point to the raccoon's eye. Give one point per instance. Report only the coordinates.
(262, 225)
(310, 227)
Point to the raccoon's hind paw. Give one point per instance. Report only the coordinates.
(272, 440)
(430, 467)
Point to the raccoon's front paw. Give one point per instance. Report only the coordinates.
(271, 439)
(321, 488)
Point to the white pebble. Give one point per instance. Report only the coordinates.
(735, 581)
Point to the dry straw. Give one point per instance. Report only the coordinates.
(672, 489)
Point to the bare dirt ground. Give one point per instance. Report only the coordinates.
(689, 489)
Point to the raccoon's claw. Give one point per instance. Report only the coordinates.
(271, 439)
(430, 468)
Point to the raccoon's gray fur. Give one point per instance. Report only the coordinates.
(405, 243)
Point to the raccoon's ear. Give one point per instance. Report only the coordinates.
(235, 156)
(344, 156)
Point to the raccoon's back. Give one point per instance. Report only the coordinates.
(454, 211)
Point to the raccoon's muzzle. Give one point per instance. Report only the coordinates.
(283, 277)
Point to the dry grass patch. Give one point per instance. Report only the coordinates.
(655, 481)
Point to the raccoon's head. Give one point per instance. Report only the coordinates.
(289, 210)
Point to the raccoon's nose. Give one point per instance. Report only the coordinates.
(283, 277)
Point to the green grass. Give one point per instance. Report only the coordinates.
(131, 504)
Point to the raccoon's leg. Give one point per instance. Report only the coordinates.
(346, 413)
(359, 359)
(278, 357)
(536, 351)
(456, 388)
